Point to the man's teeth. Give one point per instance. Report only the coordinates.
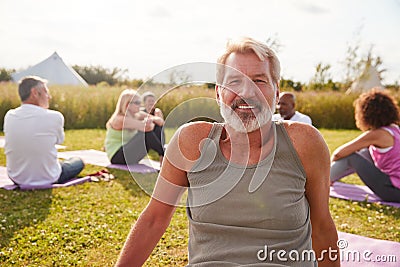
(246, 107)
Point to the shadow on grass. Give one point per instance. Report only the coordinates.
(21, 209)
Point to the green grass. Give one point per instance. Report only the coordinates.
(336, 138)
(86, 225)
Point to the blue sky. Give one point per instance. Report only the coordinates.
(147, 37)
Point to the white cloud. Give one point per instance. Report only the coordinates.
(311, 7)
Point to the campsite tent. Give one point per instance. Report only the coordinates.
(368, 79)
(54, 70)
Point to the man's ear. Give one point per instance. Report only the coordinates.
(217, 93)
(277, 94)
(35, 92)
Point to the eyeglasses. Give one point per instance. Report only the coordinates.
(137, 102)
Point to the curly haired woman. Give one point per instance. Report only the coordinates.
(375, 154)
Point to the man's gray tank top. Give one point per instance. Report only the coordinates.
(230, 225)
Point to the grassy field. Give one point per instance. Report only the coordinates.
(86, 225)
(91, 107)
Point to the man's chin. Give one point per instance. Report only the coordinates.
(244, 123)
(283, 115)
(244, 127)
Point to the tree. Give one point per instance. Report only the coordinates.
(287, 85)
(374, 60)
(5, 74)
(274, 43)
(352, 64)
(97, 74)
(322, 74)
(177, 77)
(355, 62)
(322, 79)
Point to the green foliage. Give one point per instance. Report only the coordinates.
(328, 109)
(322, 81)
(87, 225)
(289, 85)
(189, 103)
(96, 74)
(5, 74)
(9, 99)
(321, 75)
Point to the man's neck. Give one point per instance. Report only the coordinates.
(31, 102)
(254, 138)
(247, 148)
(289, 116)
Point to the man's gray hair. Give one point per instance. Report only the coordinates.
(27, 83)
(146, 95)
(246, 45)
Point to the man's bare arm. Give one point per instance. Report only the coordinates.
(314, 155)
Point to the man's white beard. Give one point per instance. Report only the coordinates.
(248, 123)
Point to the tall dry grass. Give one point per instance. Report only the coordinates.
(91, 107)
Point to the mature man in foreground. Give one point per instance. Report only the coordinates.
(255, 186)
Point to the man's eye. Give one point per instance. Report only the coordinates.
(233, 82)
(260, 81)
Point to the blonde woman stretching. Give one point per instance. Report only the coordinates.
(129, 131)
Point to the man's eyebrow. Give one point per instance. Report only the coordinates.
(240, 76)
(235, 76)
(261, 75)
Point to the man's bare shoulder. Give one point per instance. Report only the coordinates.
(191, 134)
(309, 145)
(303, 135)
(196, 130)
(188, 138)
(294, 127)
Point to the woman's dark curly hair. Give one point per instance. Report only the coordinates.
(376, 109)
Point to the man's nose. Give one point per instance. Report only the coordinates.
(248, 90)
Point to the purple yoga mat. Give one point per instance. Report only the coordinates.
(7, 184)
(99, 158)
(140, 168)
(358, 250)
(357, 193)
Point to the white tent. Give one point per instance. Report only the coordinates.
(54, 70)
(368, 79)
